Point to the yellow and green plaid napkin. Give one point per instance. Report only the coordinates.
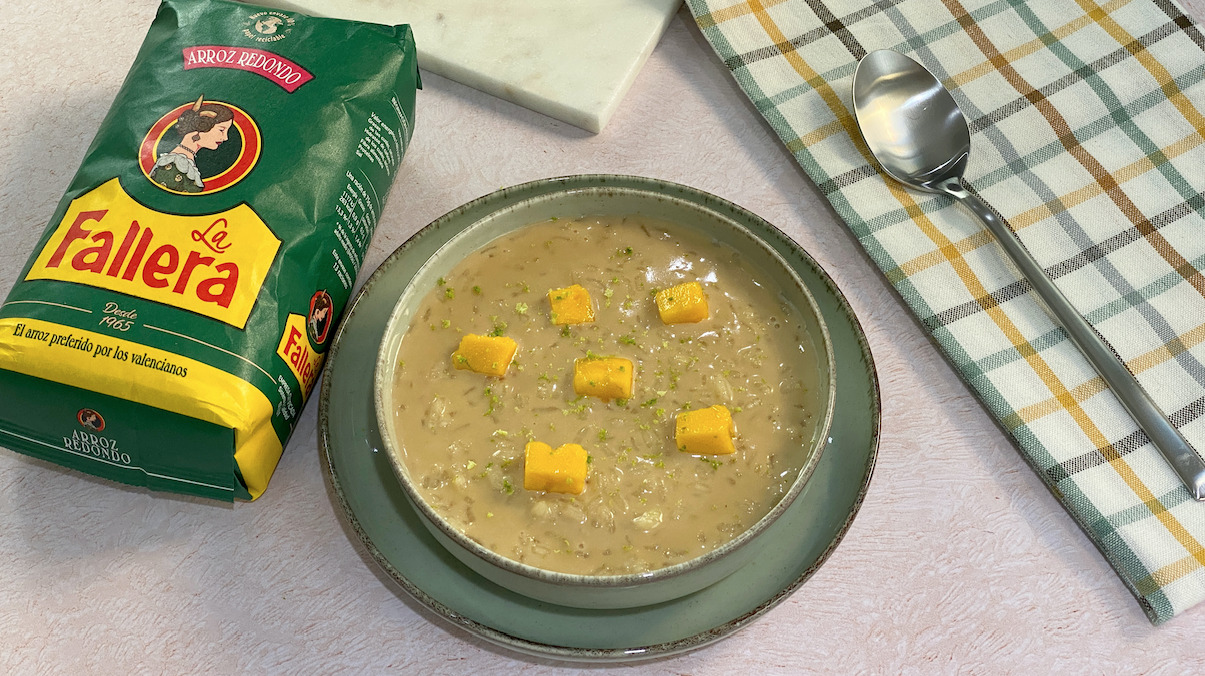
(1088, 137)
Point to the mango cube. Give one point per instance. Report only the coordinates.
(490, 355)
(603, 377)
(684, 303)
(560, 470)
(571, 305)
(706, 431)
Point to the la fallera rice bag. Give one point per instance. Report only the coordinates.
(173, 318)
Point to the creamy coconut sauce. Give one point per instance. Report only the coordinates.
(646, 504)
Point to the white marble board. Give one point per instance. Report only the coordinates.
(570, 59)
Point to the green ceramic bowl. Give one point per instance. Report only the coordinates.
(483, 220)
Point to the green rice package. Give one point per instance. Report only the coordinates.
(170, 324)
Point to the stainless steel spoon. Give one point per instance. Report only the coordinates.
(920, 137)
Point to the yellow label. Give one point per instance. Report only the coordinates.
(295, 349)
(165, 380)
(211, 265)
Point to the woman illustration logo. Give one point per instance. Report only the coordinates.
(319, 320)
(205, 125)
(90, 419)
(171, 155)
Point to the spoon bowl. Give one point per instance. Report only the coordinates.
(918, 134)
(916, 131)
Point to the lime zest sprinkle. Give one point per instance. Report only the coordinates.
(494, 400)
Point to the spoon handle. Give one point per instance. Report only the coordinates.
(1166, 438)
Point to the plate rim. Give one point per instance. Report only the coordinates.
(576, 654)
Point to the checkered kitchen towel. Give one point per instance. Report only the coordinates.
(1088, 136)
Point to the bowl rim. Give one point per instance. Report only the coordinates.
(513, 198)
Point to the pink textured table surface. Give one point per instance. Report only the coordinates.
(975, 570)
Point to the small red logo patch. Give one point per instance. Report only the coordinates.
(319, 320)
(90, 419)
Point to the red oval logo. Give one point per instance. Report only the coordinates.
(90, 419)
(200, 148)
(321, 317)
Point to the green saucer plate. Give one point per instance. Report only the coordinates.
(374, 505)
